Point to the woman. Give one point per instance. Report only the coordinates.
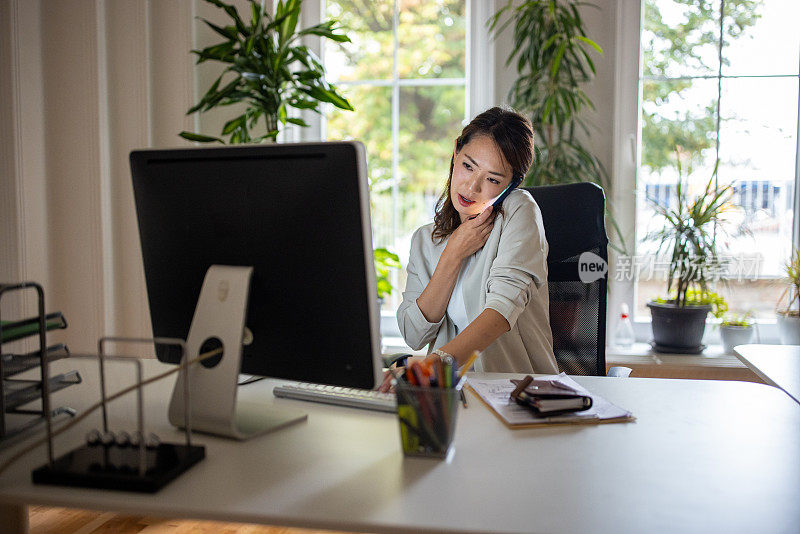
(477, 276)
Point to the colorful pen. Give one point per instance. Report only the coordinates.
(468, 364)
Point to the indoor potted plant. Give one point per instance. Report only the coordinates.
(689, 232)
(268, 70)
(553, 64)
(553, 57)
(735, 330)
(789, 316)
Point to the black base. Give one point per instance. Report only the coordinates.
(666, 349)
(115, 467)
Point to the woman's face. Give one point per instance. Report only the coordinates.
(480, 174)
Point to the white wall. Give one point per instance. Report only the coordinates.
(89, 81)
(82, 83)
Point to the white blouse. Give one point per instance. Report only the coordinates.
(508, 275)
(456, 308)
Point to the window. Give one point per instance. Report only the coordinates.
(405, 72)
(719, 81)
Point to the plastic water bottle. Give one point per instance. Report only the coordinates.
(624, 335)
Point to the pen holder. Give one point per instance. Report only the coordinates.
(427, 418)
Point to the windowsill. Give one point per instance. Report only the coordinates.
(396, 344)
(711, 364)
(644, 349)
(640, 357)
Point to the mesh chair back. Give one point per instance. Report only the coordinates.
(573, 216)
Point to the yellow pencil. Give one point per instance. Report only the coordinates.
(468, 364)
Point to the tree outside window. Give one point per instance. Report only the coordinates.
(719, 81)
(405, 73)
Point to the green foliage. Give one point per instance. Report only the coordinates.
(271, 71)
(385, 261)
(792, 271)
(431, 44)
(553, 60)
(671, 52)
(737, 319)
(689, 232)
(695, 297)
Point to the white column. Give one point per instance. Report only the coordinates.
(480, 58)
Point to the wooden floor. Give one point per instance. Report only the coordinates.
(48, 520)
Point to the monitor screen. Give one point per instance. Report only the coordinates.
(299, 215)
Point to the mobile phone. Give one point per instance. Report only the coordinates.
(515, 181)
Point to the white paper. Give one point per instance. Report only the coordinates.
(497, 393)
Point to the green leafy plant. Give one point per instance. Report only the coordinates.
(268, 69)
(791, 271)
(719, 305)
(385, 261)
(553, 61)
(736, 319)
(689, 232)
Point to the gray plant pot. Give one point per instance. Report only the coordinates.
(676, 327)
(734, 335)
(789, 329)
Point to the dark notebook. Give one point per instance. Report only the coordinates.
(549, 397)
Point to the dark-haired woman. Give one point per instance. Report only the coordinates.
(477, 276)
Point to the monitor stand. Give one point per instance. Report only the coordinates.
(219, 320)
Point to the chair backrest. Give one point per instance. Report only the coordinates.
(573, 216)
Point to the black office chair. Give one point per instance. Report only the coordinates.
(573, 216)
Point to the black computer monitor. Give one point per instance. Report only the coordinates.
(299, 215)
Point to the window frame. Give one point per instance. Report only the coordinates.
(627, 159)
(480, 90)
(480, 54)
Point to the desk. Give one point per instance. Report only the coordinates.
(703, 456)
(777, 365)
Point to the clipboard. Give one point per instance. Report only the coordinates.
(496, 395)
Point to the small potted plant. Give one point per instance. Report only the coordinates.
(385, 262)
(689, 232)
(735, 329)
(789, 316)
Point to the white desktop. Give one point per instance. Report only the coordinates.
(702, 456)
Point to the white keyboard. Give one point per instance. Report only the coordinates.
(354, 398)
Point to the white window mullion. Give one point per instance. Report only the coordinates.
(395, 130)
(410, 82)
(625, 160)
(796, 199)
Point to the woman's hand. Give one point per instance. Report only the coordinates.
(471, 235)
(386, 385)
